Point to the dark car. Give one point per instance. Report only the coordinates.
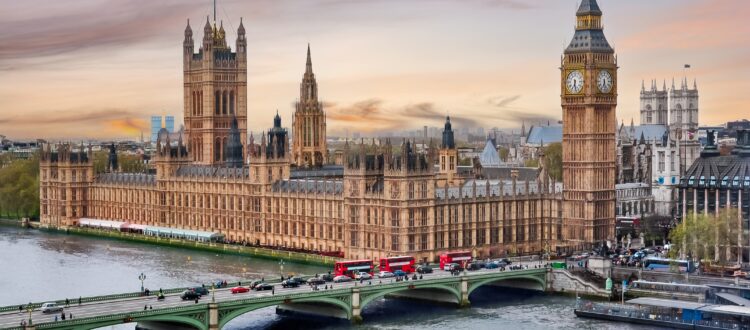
(189, 295)
(263, 287)
(316, 281)
(472, 266)
(326, 277)
(491, 265)
(424, 269)
(254, 283)
(200, 290)
(289, 284)
(506, 261)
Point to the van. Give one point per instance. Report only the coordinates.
(50, 307)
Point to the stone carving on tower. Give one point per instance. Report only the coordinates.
(215, 92)
(589, 100)
(309, 147)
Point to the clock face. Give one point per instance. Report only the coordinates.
(574, 82)
(604, 81)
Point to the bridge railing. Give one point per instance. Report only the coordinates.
(124, 317)
(117, 296)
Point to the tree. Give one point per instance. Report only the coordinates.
(531, 163)
(553, 160)
(708, 236)
(654, 227)
(19, 187)
(503, 152)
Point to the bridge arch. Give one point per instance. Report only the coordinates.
(369, 296)
(184, 320)
(224, 319)
(530, 278)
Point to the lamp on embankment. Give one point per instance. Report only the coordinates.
(142, 277)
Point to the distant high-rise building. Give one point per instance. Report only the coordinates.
(169, 123)
(155, 127)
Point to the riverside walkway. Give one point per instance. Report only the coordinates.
(213, 311)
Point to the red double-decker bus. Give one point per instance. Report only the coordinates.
(350, 267)
(462, 258)
(403, 263)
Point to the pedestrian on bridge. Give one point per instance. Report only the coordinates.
(145, 307)
(79, 300)
(273, 290)
(20, 308)
(70, 316)
(62, 315)
(55, 318)
(67, 302)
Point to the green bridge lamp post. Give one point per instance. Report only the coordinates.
(281, 267)
(30, 309)
(142, 277)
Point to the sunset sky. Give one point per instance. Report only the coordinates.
(79, 69)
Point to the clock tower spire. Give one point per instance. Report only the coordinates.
(589, 100)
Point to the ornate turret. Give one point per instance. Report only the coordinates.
(112, 165)
(309, 142)
(448, 141)
(233, 149)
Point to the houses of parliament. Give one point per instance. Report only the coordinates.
(386, 198)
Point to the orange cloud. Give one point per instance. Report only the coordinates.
(127, 126)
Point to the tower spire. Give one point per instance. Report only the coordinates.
(214, 12)
(308, 65)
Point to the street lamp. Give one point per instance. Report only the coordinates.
(30, 309)
(142, 277)
(213, 292)
(281, 267)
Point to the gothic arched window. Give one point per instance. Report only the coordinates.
(217, 100)
(231, 102)
(224, 103)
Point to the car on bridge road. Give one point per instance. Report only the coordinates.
(326, 277)
(384, 274)
(316, 281)
(50, 307)
(263, 287)
(255, 283)
(189, 295)
(424, 269)
(200, 290)
(363, 276)
(239, 289)
(341, 278)
(399, 273)
(289, 284)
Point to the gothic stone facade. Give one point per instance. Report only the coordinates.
(382, 202)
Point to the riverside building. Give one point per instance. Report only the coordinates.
(381, 201)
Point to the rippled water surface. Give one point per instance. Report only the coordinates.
(36, 266)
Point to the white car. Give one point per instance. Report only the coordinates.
(363, 276)
(384, 274)
(50, 307)
(341, 278)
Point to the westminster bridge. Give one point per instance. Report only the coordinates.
(344, 300)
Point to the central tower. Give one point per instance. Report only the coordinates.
(589, 99)
(215, 85)
(309, 122)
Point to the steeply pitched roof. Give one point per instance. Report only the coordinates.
(489, 156)
(588, 7)
(546, 134)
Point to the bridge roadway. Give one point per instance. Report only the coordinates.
(350, 297)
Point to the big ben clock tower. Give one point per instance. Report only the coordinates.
(589, 99)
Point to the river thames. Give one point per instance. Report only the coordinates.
(37, 266)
